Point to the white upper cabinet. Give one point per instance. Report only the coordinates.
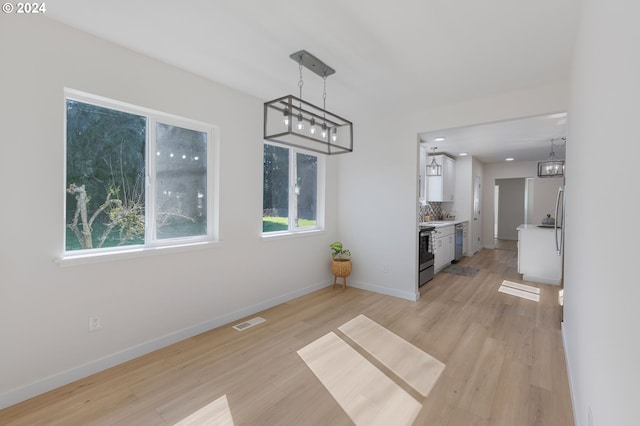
(442, 188)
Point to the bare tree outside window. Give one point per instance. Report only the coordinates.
(105, 177)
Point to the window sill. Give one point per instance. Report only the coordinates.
(83, 259)
(273, 236)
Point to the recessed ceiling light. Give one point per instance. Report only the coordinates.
(508, 159)
(439, 139)
(462, 154)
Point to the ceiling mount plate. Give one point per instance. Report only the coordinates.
(312, 63)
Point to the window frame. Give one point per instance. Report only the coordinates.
(292, 229)
(153, 117)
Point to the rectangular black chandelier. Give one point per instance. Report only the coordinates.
(291, 121)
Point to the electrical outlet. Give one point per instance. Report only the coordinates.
(95, 323)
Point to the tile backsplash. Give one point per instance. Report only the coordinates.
(435, 210)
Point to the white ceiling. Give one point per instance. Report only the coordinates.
(527, 139)
(399, 55)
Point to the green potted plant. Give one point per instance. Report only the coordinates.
(340, 263)
(339, 253)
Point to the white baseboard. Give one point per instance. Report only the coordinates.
(568, 365)
(23, 393)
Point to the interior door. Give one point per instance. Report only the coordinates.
(476, 230)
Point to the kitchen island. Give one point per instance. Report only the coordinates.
(538, 260)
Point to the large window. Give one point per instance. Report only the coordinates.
(290, 200)
(134, 177)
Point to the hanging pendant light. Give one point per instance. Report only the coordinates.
(552, 166)
(433, 168)
(315, 129)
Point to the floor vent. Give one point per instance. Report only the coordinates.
(248, 324)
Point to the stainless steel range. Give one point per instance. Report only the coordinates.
(425, 255)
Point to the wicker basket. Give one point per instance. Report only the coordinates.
(341, 268)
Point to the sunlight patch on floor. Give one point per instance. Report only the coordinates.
(520, 290)
(416, 367)
(215, 413)
(364, 392)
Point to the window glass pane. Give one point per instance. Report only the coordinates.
(105, 177)
(275, 193)
(306, 190)
(181, 182)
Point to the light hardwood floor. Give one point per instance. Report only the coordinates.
(503, 356)
(505, 244)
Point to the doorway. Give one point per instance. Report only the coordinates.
(511, 205)
(489, 145)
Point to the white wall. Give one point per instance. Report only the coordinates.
(144, 302)
(378, 205)
(545, 194)
(601, 316)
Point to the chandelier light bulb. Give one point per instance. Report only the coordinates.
(313, 128)
(324, 131)
(285, 116)
(334, 135)
(300, 124)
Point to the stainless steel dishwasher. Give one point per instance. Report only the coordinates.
(459, 241)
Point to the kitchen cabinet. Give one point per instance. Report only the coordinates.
(442, 188)
(444, 246)
(422, 176)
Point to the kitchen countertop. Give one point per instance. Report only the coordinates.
(441, 223)
(533, 226)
